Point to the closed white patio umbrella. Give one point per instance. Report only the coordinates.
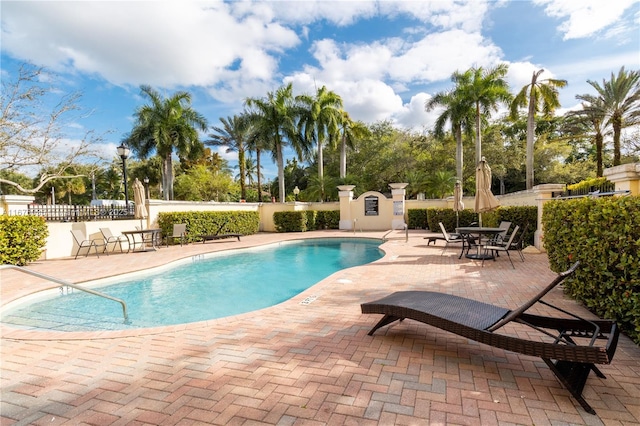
(485, 200)
(139, 198)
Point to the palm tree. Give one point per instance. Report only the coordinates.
(319, 122)
(234, 135)
(164, 125)
(274, 120)
(350, 131)
(257, 143)
(621, 102)
(459, 113)
(484, 89)
(251, 170)
(539, 94)
(591, 119)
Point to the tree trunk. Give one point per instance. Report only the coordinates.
(531, 129)
(259, 180)
(168, 177)
(530, 141)
(599, 146)
(459, 153)
(617, 129)
(478, 135)
(343, 157)
(320, 170)
(241, 166)
(280, 174)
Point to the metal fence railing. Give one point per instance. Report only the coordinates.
(72, 213)
(603, 190)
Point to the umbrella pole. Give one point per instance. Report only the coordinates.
(457, 220)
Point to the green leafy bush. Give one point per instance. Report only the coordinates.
(308, 220)
(328, 219)
(518, 215)
(604, 235)
(22, 239)
(588, 184)
(291, 221)
(204, 223)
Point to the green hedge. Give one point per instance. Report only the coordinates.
(429, 218)
(604, 235)
(22, 239)
(308, 220)
(199, 223)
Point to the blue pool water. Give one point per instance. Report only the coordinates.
(207, 288)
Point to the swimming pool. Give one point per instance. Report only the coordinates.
(206, 287)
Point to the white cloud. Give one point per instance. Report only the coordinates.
(465, 15)
(413, 114)
(160, 43)
(585, 17)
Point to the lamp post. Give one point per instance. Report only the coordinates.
(123, 152)
(296, 191)
(146, 186)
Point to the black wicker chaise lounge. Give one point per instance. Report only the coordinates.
(570, 352)
(218, 236)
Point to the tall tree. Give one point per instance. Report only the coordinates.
(350, 131)
(591, 121)
(165, 125)
(539, 96)
(274, 119)
(459, 113)
(234, 134)
(257, 143)
(35, 121)
(320, 122)
(621, 103)
(484, 89)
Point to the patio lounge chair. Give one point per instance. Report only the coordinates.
(83, 242)
(218, 236)
(496, 248)
(179, 233)
(501, 237)
(570, 350)
(109, 238)
(448, 238)
(518, 244)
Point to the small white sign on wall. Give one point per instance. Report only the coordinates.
(398, 209)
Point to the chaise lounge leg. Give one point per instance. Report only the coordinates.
(573, 375)
(387, 319)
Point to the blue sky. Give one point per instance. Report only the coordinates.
(384, 58)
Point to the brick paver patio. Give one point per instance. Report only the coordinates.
(304, 364)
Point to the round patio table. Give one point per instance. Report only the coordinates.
(467, 232)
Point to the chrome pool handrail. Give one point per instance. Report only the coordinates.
(68, 284)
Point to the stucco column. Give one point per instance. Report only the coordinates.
(346, 195)
(10, 203)
(543, 193)
(397, 195)
(626, 177)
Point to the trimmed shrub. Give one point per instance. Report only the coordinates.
(519, 215)
(603, 234)
(328, 219)
(290, 221)
(22, 239)
(308, 220)
(205, 223)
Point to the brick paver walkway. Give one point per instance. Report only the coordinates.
(304, 364)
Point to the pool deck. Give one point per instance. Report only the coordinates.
(309, 363)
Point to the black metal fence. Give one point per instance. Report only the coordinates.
(607, 188)
(67, 213)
